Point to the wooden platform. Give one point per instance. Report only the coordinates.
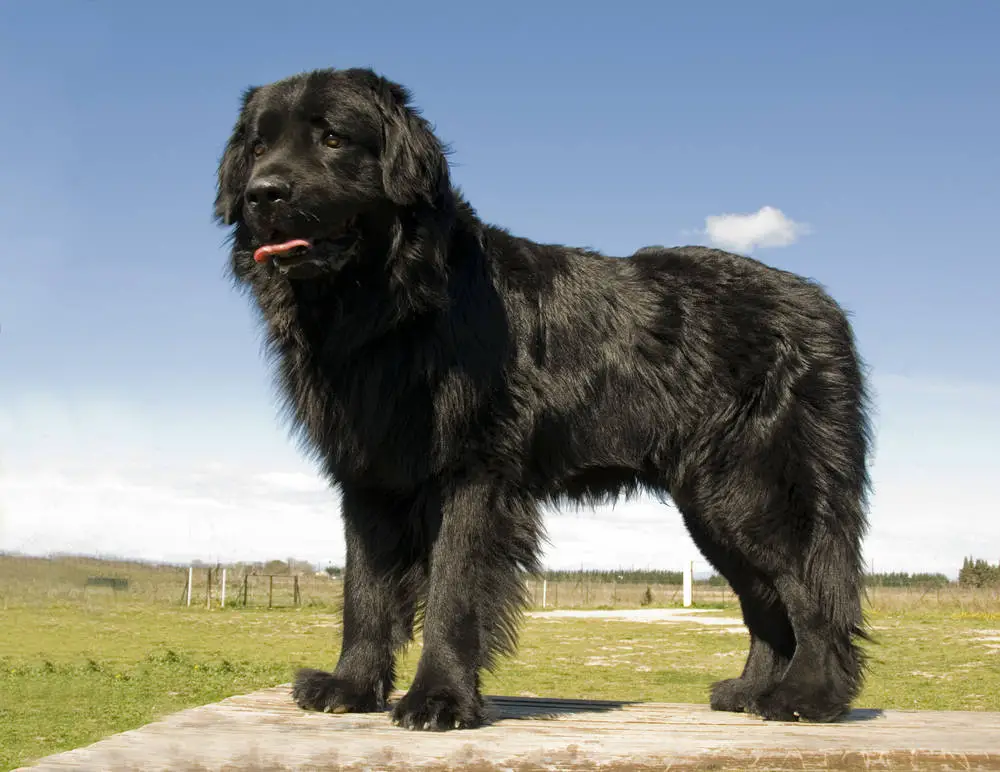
(265, 730)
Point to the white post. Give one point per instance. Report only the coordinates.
(688, 581)
(545, 587)
(190, 582)
(222, 600)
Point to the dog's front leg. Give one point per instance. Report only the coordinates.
(489, 537)
(383, 577)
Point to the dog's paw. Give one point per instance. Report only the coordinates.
(325, 692)
(792, 701)
(774, 705)
(438, 709)
(733, 695)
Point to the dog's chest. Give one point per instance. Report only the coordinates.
(386, 416)
(382, 404)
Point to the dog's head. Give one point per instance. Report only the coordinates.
(320, 162)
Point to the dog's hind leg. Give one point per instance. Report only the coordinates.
(489, 537)
(817, 482)
(826, 671)
(801, 604)
(772, 641)
(821, 587)
(781, 518)
(383, 577)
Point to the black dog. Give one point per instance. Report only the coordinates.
(450, 376)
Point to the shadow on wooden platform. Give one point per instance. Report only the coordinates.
(266, 731)
(512, 708)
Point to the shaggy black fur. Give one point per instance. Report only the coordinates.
(450, 376)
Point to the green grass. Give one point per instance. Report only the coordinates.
(72, 673)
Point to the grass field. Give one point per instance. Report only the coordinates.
(76, 665)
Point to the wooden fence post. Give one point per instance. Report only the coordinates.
(270, 590)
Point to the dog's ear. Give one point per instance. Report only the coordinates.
(233, 169)
(414, 164)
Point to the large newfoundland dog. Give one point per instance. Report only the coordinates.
(450, 378)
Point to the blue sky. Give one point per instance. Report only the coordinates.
(852, 142)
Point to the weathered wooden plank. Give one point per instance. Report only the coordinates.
(265, 730)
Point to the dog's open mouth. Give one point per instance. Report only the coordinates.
(308, 255)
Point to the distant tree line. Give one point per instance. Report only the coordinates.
(263, 567)
(979, 573)
(621, 576)
(903, 579)
(974, 573)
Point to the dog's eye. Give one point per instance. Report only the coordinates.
(257, 148)
(332, 140)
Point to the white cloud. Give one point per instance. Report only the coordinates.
(229, 514)
(767, 227)
(91, 476)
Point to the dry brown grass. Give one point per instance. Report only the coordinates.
(60, 580)
(31, 581)
(953, 598)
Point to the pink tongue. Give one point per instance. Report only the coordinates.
(264, 253)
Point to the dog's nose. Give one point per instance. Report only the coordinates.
(268, 190)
